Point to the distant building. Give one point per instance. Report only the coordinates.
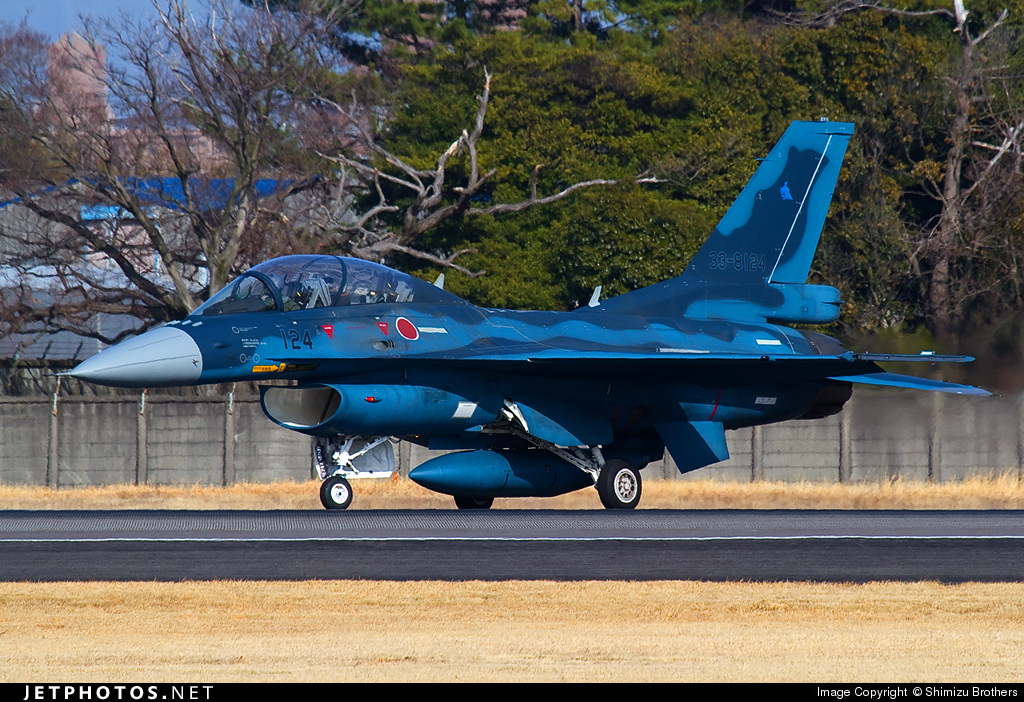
(76, 77)
(36, 253)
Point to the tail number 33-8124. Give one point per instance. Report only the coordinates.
(739, 261)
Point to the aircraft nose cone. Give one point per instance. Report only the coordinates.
(161, 357)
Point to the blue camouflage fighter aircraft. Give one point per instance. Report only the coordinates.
(538, 403)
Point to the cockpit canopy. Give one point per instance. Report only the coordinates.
(307, 282)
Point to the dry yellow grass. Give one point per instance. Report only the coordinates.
(519, 631)
(977, 493)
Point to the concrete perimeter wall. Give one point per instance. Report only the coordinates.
(881, 435)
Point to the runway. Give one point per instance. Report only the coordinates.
(717, 545)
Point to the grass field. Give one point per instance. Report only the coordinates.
(515, 631)
(997, 493)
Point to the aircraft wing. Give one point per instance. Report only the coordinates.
(700, 367)
(723, 369)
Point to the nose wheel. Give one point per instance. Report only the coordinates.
(619, 485)
(336, 493)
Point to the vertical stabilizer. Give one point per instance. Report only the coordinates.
(754, 266)
(772, 230)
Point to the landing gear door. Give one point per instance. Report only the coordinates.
(353, 457)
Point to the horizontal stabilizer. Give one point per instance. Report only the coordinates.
(895, 380)
(924, 356)
(694, 445)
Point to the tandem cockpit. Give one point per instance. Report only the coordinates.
(304, 282)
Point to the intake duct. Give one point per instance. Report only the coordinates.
(374, 410)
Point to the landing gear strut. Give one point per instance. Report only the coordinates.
(338, 457)
(618, 485)
(618, 482)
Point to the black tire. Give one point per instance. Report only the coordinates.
(473, 502)
(336, 493)
(619, 485)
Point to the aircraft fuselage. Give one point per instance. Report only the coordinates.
(538, 403)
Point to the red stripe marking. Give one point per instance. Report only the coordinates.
(716, 404)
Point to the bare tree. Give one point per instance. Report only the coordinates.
(985, 134)
(149, 180)
(139, 185)
(981, 163)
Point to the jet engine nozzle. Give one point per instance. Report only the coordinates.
(160, 357)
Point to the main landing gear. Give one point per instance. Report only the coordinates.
(619, 485)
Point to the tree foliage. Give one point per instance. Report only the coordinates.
(927, 225)
(692, 94)
(418, 198)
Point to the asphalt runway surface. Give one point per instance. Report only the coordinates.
(715, 545)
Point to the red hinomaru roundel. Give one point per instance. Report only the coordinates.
(407, 329)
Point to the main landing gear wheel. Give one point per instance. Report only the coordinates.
(619, 485)
(473, 502)
(336, 493)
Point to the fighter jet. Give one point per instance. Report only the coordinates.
(538, 403)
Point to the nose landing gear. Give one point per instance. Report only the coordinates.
(336, 493)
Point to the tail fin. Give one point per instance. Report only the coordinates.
(760, 253)
(772, 230)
